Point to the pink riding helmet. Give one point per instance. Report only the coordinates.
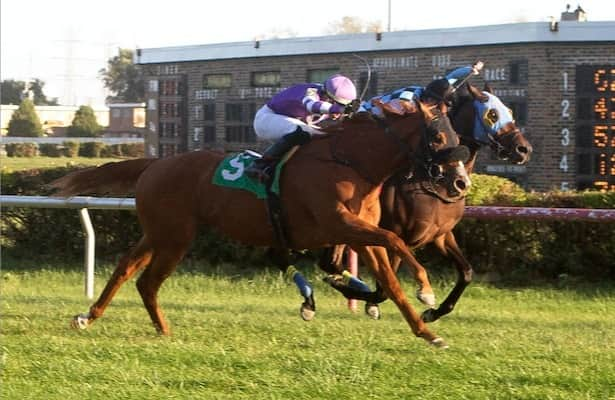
(340, 89)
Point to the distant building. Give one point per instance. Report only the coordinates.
(126, 120)
(558, 78)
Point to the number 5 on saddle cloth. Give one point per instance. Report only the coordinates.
(230, 174)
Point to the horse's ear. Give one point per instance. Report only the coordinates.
(477, 94)
(487, 88)
(427, 113)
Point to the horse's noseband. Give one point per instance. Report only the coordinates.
(496, 141)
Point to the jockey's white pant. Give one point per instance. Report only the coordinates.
(271, 126)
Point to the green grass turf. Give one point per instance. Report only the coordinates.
(241, 337)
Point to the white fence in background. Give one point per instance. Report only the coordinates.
(82, 203)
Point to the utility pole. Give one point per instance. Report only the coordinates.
(389, 21)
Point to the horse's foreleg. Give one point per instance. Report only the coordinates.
(449, 247)
(377, 260)
(138, 258)
(372, 309)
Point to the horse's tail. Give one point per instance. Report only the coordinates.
(115, 178)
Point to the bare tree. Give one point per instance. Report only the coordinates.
(353, 25)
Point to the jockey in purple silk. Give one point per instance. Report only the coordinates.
(290, 116)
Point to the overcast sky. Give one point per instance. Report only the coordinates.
(66, 42)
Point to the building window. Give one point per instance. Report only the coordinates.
(169, 109)
(320, 75)
(517, 72)
(266, 78)
(238, 122)
(167, 129)
(170, 87)
(198, 134)
(209, 134)
(241, 134)
(217, 81)
(152, 85)
(519, 111)
(209, 111)
(198, 112)
(167, 150)
(233, 112)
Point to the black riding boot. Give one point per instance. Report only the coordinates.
(260, 169)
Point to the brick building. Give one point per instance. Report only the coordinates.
(558, 78)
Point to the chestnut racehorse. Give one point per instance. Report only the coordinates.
(329, 191)
(421, 213)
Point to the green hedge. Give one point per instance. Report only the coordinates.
(522, 250)
(511, 250)
(71, 148)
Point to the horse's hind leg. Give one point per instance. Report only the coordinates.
(138, 258)
(449, 247)
(281, 258)
(164, 262)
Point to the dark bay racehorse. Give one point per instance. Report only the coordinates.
(330, 193)
(420, 212)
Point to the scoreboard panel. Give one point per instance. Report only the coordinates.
(595, 127)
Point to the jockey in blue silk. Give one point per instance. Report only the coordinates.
(291, 115)
(402, 101)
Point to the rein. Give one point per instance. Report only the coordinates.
(389, 133)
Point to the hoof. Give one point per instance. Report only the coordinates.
(429, 299)
(439, 343)
(80, 321)
(429, 315)
(372, 310)
(306, 312)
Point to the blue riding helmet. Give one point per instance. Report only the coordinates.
(491, 116)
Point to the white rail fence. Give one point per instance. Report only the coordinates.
(83, 203)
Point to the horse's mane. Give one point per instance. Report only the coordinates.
(367, 120)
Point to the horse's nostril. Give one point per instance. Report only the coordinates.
(522, 150)
(460, 185)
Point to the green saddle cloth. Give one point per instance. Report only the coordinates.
(230, 173)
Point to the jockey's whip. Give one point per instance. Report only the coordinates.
(369, 76)
(476, 68)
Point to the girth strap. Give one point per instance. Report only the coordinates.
(275, 207)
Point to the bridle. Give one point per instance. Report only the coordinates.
(494, 140)
(424, 157)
